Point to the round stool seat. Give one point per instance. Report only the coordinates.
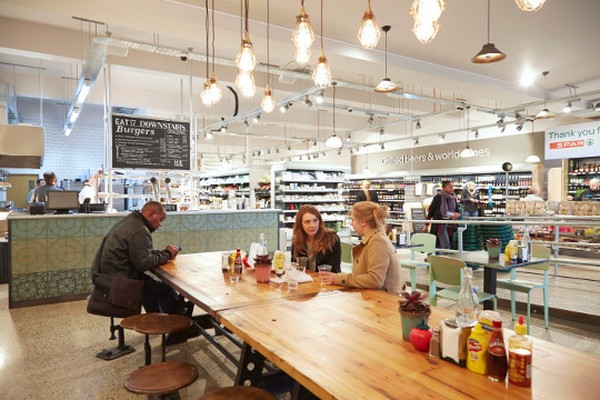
(157, 323)
(238, 393)
(161, 378)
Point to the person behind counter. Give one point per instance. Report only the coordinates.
(443, 206)
(87, 192)
(127, 251)
(366, 194)
(310, 238)
(592, 193)
(39, 194)
(38, 183)
(470, 200)
(376, 265)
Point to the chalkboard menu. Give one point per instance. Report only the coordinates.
(150, 143)
(417, 213)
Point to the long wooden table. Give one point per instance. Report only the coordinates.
(348, 345)
(490, 267)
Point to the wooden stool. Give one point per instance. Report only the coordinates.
(238, 393)
(156, 324)
(161, 379)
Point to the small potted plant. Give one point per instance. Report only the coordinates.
(493, 247)
(262, 268)
(414, 310)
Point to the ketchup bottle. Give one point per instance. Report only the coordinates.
(496, 364)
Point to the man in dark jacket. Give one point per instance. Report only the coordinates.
(127, 251)
(443, 206)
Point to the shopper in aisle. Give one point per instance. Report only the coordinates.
(39, 194)
(470, 200)
(38, 183)
(533, 194)
(443, 206)
(312, 239)
(366, 194)
(127, 251)
(592, 193)
(376, 265)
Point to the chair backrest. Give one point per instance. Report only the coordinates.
(426, 239)
(540, 251)
(446, 270)
(346, 252)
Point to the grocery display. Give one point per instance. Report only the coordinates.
(580, 172)
(390, 192)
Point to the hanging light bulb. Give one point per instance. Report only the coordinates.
(426, 14)
(530, 5)
(268, 101)
(211, 90)
(215, 90)
(302, 56)
(322, 74)
(246, 59)
(206, 95)
(368, 33)
(245, 82)
(302, 36)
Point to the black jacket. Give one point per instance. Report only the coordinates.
(333, 258)
(363, 197)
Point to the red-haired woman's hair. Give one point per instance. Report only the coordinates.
(323, 240)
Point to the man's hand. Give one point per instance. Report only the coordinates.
(173, 250)
(455, 215)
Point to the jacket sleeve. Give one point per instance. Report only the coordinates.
(334, 257)
(374, 196)
(434, 207)
(377, 268)
(465, 196)
(142, 255)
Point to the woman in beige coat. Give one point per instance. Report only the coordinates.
(375, 264)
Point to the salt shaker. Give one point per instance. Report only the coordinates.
(434, 344)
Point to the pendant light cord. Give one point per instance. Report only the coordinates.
(268, 39)
(334, 85)
(488, 21)
(213, 35)
(246, 9)
(206, 22)
(321, 25)
(386, 71)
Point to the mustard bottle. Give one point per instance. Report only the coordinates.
(477, 346)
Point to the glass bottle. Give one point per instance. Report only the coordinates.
(466, 303)
(519, 356)
(264, 248)
(497, 365)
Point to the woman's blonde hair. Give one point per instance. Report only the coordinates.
(373, 214)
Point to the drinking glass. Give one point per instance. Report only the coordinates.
(302, 263)
(292, 276)
(234, 273)
(225, 261)
(323, 268)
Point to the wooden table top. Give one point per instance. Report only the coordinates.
(199, 278)
(481, 258)
(348, 345)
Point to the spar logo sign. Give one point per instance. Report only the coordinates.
(581, 140)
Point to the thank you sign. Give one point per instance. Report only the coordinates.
(572, 141)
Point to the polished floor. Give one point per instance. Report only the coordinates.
(48, 352)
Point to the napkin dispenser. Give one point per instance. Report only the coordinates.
(453, 341)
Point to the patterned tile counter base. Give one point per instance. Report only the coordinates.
(51, 256)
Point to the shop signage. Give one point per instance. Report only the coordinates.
(150, 143)
(488, 152)
(572, 141)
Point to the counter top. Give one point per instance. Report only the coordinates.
(21, 215)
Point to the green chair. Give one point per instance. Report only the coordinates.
(525, 286)
(346, 255)
(428, 242)
(449, 271)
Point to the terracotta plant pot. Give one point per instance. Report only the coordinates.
(263, 272)
(412, 320)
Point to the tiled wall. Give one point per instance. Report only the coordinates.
(51, 256)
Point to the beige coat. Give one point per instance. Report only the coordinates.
(376, 265)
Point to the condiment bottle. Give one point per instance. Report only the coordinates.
(496, 361)
(477, 347)
(434, 344)
(519, 356)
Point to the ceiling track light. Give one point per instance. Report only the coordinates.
(246, 123)
(519, 127)
(416, 143)
(442, 138)
(256, 118)
(307, 102)
(320, 97)
(488, 53)
(418, 124)
(386, 85)
(568, 108)
(476, 133)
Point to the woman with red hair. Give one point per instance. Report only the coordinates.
(312, 239)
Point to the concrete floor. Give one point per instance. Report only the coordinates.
(48, 352)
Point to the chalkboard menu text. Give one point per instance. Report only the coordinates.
(150, 143)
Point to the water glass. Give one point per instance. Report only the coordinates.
(324, 268)
(292, 277)
(234, 274)
(225, 261)
(302, 263)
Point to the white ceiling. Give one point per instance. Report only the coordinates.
(560, 38)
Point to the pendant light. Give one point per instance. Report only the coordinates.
(302, 36)
(268, 101)
(488, 53)
(467, 152)
(532, 158)
(368, 33)
(530, 5)
(246, 59)
(211, 91)
(334, 141)
(545, 113)
(322, 74)
(426, 14)
(386, 85)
